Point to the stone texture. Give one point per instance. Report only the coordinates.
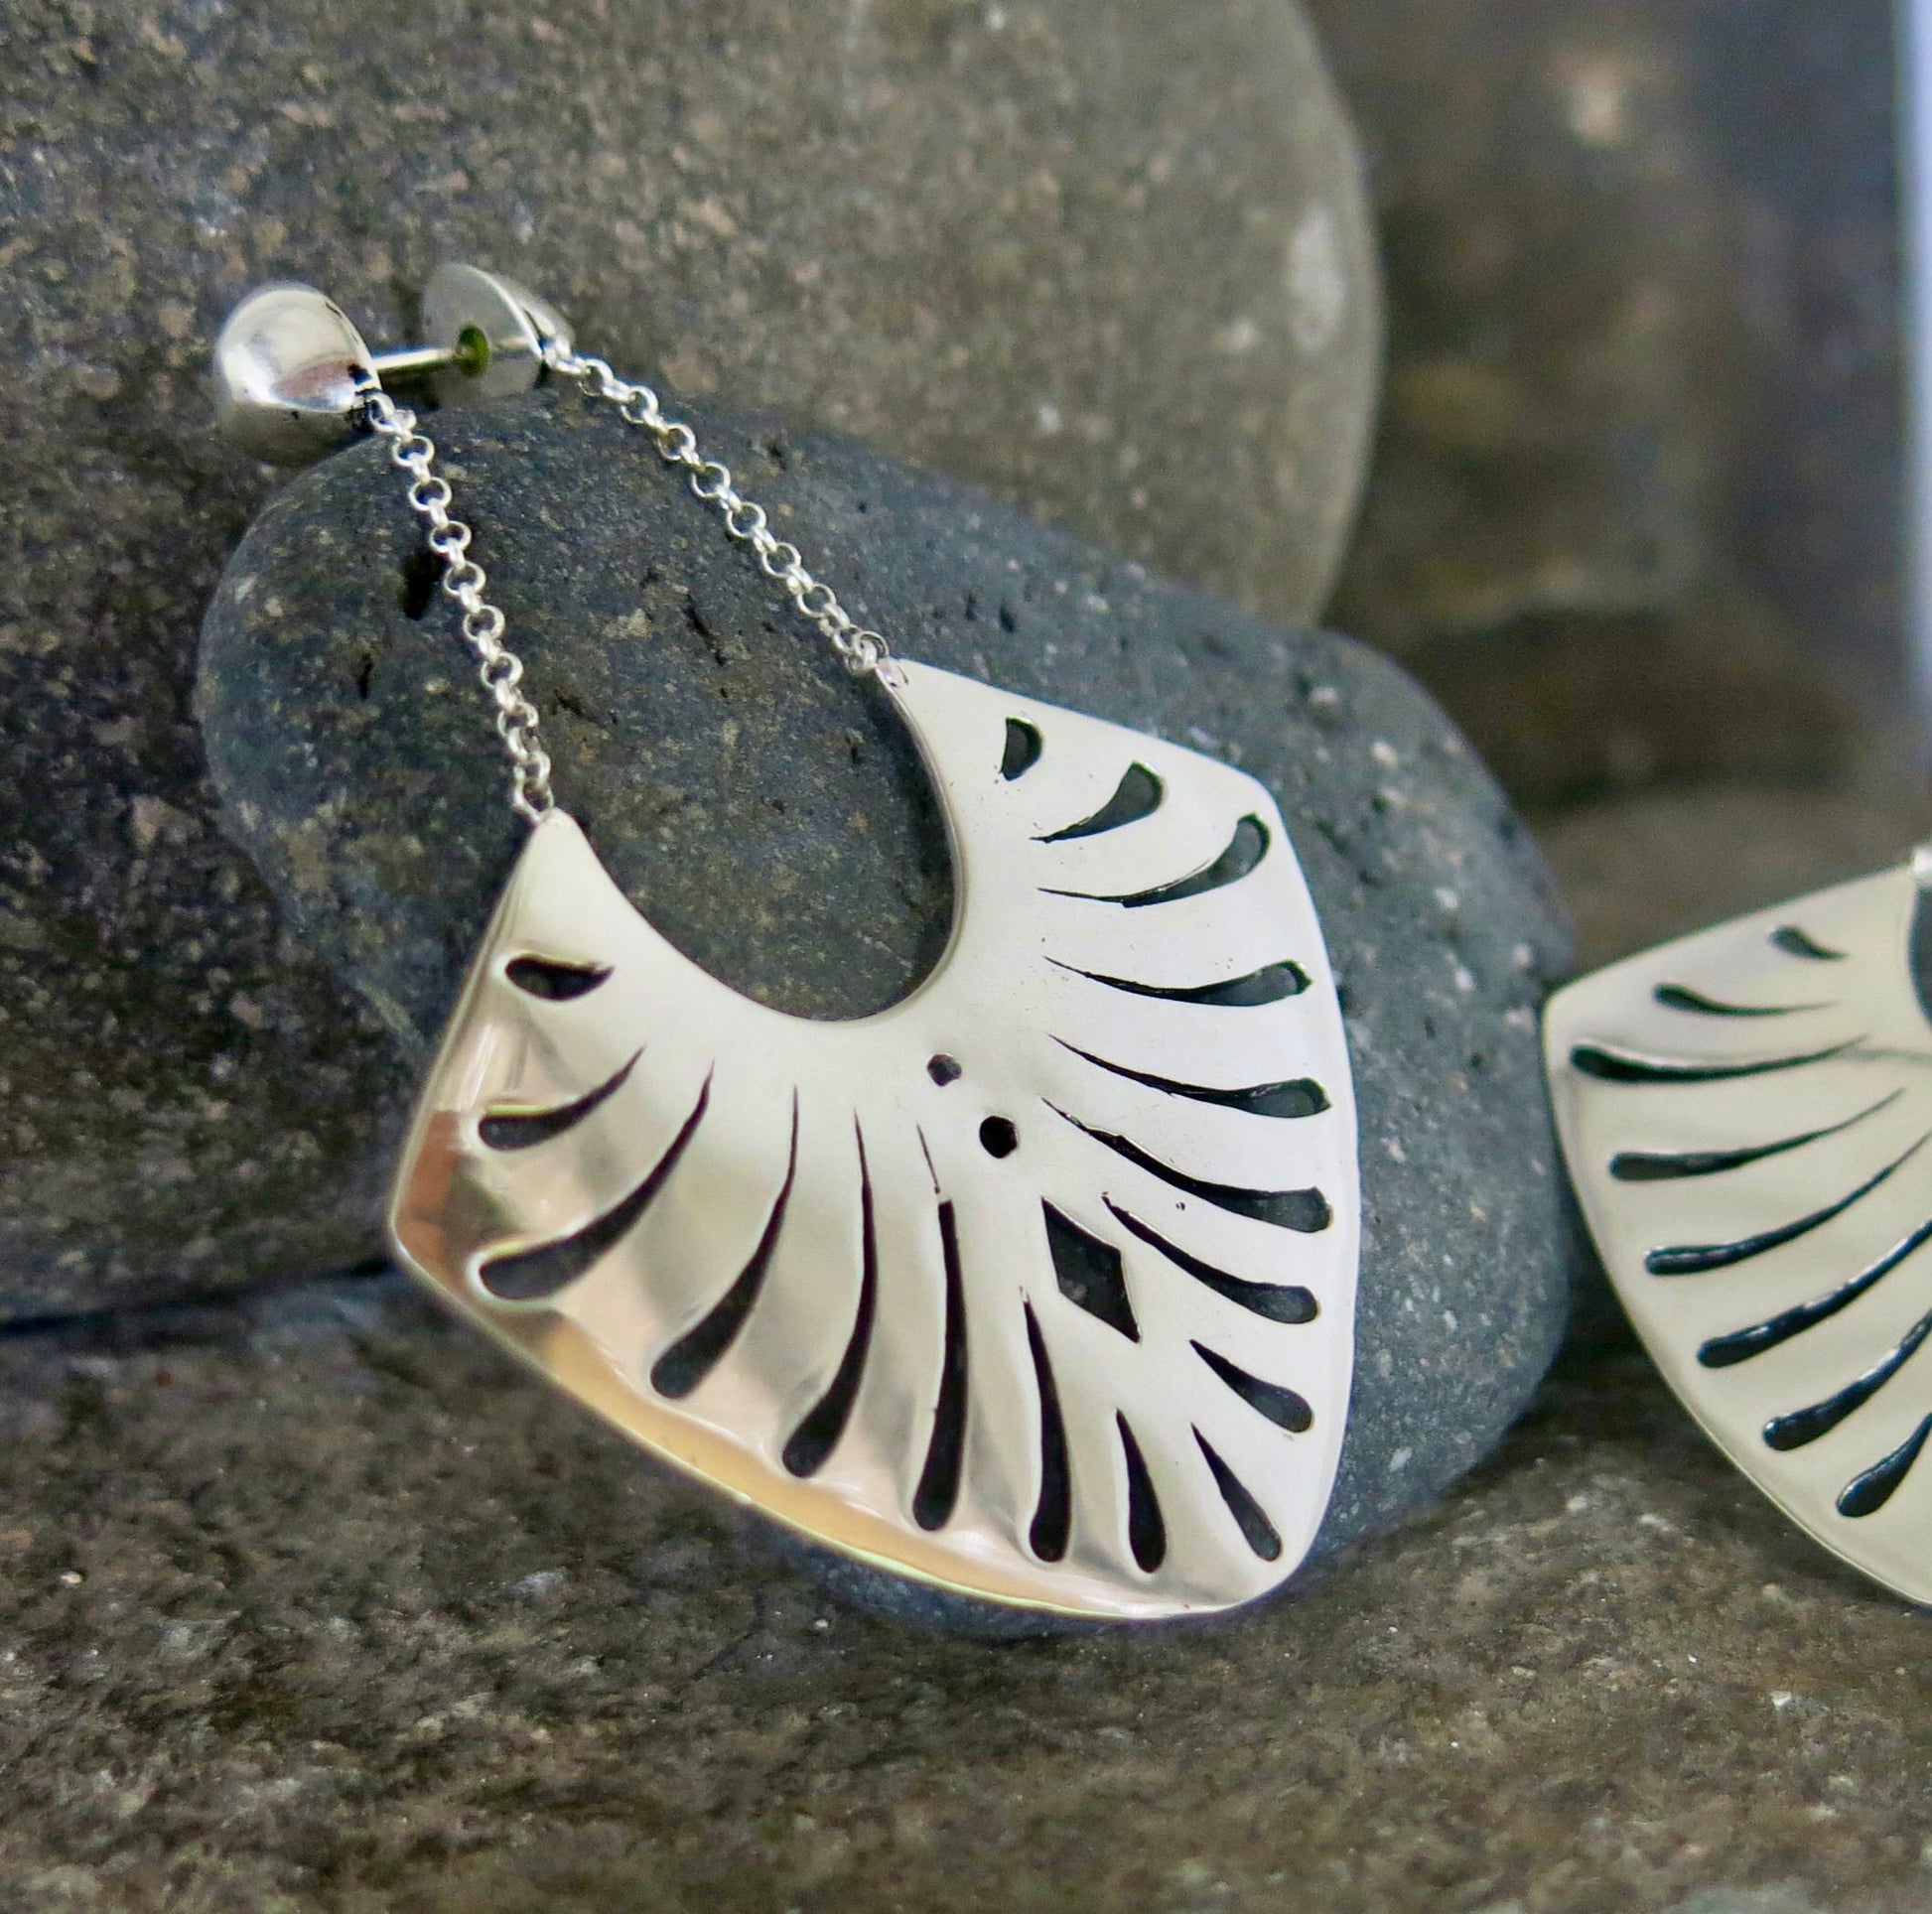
(313, 1604)
(762, 807)
(1032, 243)
(1641, 457)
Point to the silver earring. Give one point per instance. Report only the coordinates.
(1038, 1287)
(1746, 1114)
(291, 374)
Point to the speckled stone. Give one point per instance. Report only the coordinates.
(760, 807)
(1110, 260)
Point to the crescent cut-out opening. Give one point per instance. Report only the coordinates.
(1023, 748)
(555, 980)
(769, 814)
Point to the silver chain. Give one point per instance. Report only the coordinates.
(863, 652)
(500, 668)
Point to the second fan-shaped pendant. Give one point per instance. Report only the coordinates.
(1038, 1287)
(1747, 1114)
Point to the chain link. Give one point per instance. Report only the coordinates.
(863, 652)
(464, 580)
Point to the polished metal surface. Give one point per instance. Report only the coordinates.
(290, 370)
(1038, 1286)
(1746, 1114)
(292, 373)
(490, 332)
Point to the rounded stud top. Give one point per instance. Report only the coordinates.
(290, 369)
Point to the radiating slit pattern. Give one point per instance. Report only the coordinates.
(938, 1490)
(693, 1356)
(528, 1275)
(817, 1435)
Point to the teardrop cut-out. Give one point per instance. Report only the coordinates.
(1302, 1210)
(1699, 1259)
(1053, 1521)
(529, 1276)
(1665, 1165)
(1807, 1424)
(1137, 796)
(817, 1435)
(1147, 1530)
(506, 1127)
(1282, 1407)
(1245, 849)
(1255, 1529)
(1795, 942)
(1298, 1097)
(1678, 997)
(696, 1353)
(1276, 1302)
(1727, 1351)
(938, 1490)
(1621, 1067)
(1867, 1493)
(1269, 985)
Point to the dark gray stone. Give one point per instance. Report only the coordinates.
(757, 804)
(1111, 261)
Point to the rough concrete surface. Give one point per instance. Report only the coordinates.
(313, 1604)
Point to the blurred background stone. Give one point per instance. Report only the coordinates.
(1637, 490)
(1112, 262)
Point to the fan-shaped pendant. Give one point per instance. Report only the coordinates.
(1746, 1114)
(1038, 1286)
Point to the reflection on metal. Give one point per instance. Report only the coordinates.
(1039, 1286)
(1747, 1117)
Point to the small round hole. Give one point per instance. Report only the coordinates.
(943, 1069)
(998, 1137)
(473, 351)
